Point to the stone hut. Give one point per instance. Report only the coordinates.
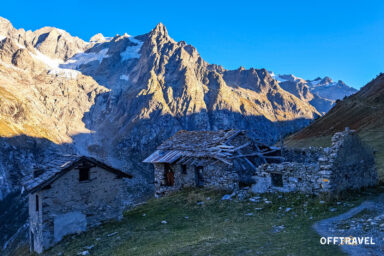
(348, 164)
(223, 159)
(69, 195)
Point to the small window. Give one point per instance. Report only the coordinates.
(83, 174)
(277, 179)
(184, 169)
(37, 203)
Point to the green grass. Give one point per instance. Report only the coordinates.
(214, 228)
(375, 139)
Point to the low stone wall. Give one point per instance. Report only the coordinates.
(302, 155)
(295, 177)
(221, 176)
(347, 164)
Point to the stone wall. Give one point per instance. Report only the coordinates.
(218, 175)
(347, 164)
(302, 155)
(70, 206)
(295, 177)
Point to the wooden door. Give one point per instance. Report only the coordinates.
(169, 175)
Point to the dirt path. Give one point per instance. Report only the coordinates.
(365, 220)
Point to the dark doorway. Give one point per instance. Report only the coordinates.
(37, 203)
(32, 244)
(277, 179)
(183, 169)
(199, 176)
(169, 175)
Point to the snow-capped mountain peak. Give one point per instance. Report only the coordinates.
(320, 92)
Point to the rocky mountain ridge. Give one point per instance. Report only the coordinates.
(117, 98)
(321, 93)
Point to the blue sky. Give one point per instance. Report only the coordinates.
(340, 39)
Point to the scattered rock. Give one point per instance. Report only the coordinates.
(255, 199)
(288, 209)
(112, 234)
(144, 215)
(89, 247)
(200, 203)
(277, 229)
(332, 209)
(249, 214)
(164, 222)
(226, 197)
(84, 253)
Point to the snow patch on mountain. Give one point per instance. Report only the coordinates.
(51, 63)
(2, 37)
(124, 77)
(54, 66)
(277, 77)
(66, 73)
(315, 82)
(132, 52)
(85, 57)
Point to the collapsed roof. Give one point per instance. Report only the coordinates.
(185, 146)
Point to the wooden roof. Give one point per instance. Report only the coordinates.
(54, 169)
(205, 147)
(196, 144)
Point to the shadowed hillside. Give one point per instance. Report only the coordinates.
(362, 111)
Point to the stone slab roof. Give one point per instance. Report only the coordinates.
(196, 144)
(55, 168)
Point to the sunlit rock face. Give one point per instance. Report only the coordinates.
(117, 98)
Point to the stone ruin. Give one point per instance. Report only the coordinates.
(223, 159)
(348, 164)
(71, 194)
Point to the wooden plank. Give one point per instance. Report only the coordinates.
(241, 164)
(232, 136)
(242, 146)
(250, 163)
(223, 160)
